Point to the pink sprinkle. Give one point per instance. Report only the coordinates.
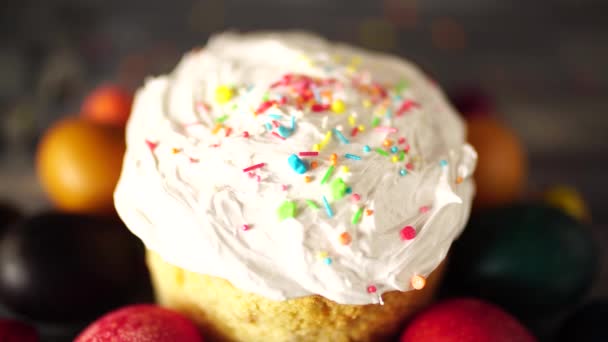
(356, 197)
(284, 187)
(406, 106)
(406, 149)
(308, 154)
(245, 227)
(193, 160)
(278, 135)
(386, 129)
(371, 289)
(258, 178)
(251, 174)
(317, 107)
(253, 167)
(424, 209)
(204, 106)
(409, 166)
(246, 134)
(354, 132)
(407, 233)
(151, 145)
(228, 131)
(401, 140)
(275, 123)
(264, 106)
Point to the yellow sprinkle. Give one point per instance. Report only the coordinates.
(356, 60)
(361, 128)
(322, 255)
(345, 169)
(338, 106)
(394, 159)
(176, 150)
(418, 282)
(367, 103)
(307, 179)
(337, 58)
(351, 121)
(351, 69)
(223, 94)
(216, 129)
(316, 147)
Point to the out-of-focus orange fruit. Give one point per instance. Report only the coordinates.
(78, 164)
(502, 166)
(108, 104)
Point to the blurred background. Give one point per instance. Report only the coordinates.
(538, 66)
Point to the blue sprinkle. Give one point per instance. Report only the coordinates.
(443, 163)
(341, 137)
(276, 116)
(403, 172)
(268, 126)
(389, 113)
(293, 123)
(330, 213)
(394, 149)
(327, 261)
(352, 156)
(284, 131)
(297, 164)
(366, 148)
(349, 190)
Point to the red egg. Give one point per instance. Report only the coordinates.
(463, 319)
(142, 322)
(14, 331)
(108, 104)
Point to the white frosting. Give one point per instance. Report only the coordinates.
(190, 204)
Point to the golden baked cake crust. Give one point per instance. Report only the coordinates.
(226, 313)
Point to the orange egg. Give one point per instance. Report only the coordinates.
(502, 166)
(108, 104)
(78, 164)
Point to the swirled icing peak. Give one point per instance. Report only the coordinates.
(291, 166)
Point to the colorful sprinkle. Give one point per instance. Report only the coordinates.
(308, 154)
(245, 134)
(327, 261)
(361, 128)
(459, 180)
(268, 126)
(355, 197)
(409, 166)
(418, 282)
(151, 145)
(351, 120)
(407, 233)
(401, 155)
(284, 131)
(328, 173)
(222, 118)
(424, 209)
(345, 238)
(223, 94)
(307, 179)
(366, 149)
(394, 149)
(286, 210)
(367, 103)
(176, 150)
(357, 216)
(277, 135)
(245, 227)
(312, 205)
(216, 129)
(330, 212)
(371, 289)
(253, 167)
(443, 163)
(387, 143)
(354, 132)
(352, 156)
(344, 169)
(381, 152)
(338, 106)
(406, 106)
(401, 140)
(369, 212)
(341, 137)
(375, 121)
(338, 189)
(297, 164)
(385, 129)
(314, 164)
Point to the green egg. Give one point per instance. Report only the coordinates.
(529, 258)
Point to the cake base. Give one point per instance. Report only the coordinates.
(226, 313)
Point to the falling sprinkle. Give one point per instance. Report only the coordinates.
(418, 282)
(330, 212)
(308, 154)
(381, 152)
(253, 167)
(311, 204)
(357, 216)
(341, 137)
(328, 173)
(345, 238)
(407, 233)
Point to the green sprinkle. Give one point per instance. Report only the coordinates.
(338, 189)
(222, 118)
(375, 122)
(357, 216)
(266, 96)
(401, 155)
(286, 210)
(382, 152)
(328, 173)
(400, 87)
(312, 204)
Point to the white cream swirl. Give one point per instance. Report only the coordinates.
(183, 190)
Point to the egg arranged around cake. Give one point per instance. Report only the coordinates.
(291, 188)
